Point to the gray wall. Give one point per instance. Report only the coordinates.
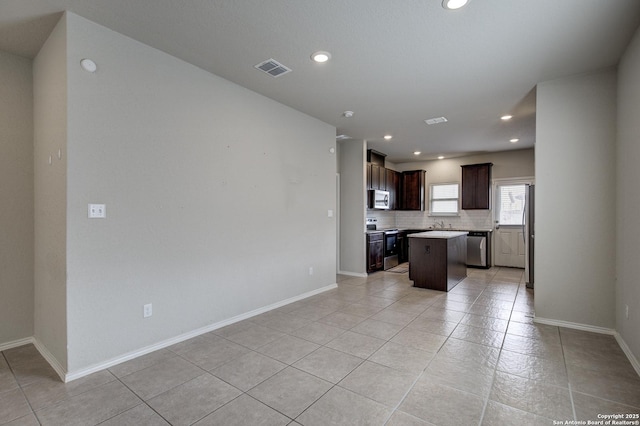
(506, 164)
(217, 198)
(50, 177)
(16, 198)
(575, 199)
(352, 160)
(628, 197)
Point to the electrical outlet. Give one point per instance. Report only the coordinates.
(97, 211)
(147, 310)
(626, 311)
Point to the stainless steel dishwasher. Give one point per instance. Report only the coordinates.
(479, 249)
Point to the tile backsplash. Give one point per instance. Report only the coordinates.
(467, 220)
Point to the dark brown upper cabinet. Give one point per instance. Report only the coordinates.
(476, 186)
(376, 157)
(393, 186)
(406, 189)
(376, 175)
(412, 185)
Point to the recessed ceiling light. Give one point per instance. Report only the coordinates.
(416, 152)
(388, 137)
(321, 56)
(441, 157)
(342, 137)
(454, 4)
(506, 117)
(514, 140)
(348, 114)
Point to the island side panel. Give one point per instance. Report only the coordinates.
(456, 261)
(428, 263)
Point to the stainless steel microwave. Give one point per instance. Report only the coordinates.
(379, 199)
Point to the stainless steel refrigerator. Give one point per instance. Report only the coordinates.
(529, 222)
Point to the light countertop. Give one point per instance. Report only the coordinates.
(438, 234)
(447, 229)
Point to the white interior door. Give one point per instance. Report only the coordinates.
(509, 239)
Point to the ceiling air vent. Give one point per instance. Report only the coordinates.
(273, 68)
(437, 120)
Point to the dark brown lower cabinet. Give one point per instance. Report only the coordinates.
(403, 247)
(375, 251)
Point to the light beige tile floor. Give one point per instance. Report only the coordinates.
(374, 351)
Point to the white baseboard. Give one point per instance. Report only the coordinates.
(43, 351)
(53, 362)
(16, 343)
(575, 325)
(353, 274)
(601, 330)
(73, 375)
(628, 353)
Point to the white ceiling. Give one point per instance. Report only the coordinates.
(394, 63)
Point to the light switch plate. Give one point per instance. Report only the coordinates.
(147, 310)
(97, 211)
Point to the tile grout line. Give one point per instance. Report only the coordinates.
(199, 367)
(422, 373)
(24, 395)
(495, 368)
(394, 409)
(368, 359)
(140, 397)
(564, 360)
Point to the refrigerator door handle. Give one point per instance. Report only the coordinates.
(524, 223)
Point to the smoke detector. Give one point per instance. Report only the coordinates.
(273, 68)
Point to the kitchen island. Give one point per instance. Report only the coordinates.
(437, 259)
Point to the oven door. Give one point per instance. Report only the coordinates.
(390, 243)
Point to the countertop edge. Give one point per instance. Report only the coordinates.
(438, 234)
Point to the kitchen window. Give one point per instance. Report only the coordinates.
(443, 199)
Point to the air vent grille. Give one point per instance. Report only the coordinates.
(273, 68)
(436, 120)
